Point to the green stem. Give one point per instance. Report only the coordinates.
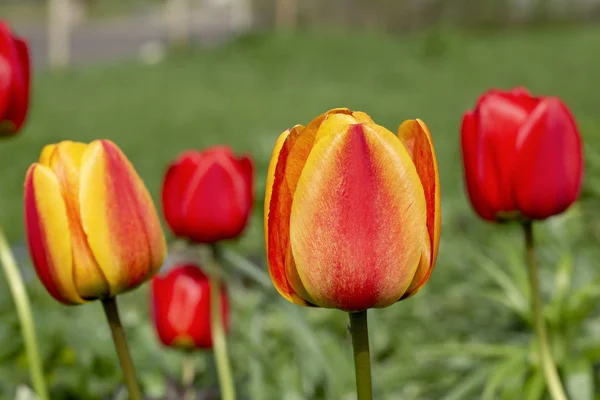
(114, 321)
(360, 346)
(549, 367)
(217, 329)
(189, 373)
(19, 294)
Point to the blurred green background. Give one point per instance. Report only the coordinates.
(466, 335)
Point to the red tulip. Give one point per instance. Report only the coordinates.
(14, 81)
(181, 308)
(522, 156)
(207, 195)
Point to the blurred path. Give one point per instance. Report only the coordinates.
(124, 37)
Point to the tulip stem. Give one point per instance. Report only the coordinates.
(217, 329)
(21, 299)
(189, 373)
(549, 367)
(114, 321)
(362, 362)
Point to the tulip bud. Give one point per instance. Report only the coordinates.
(92, 228)
(14, 81)
(522, 156)
(207, 195)
(181, 307)
(352, 212)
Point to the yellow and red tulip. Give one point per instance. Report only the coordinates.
(352, 212)
(92, 228)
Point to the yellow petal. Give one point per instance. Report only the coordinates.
(46, 154)
(282, 173)
(65, 162)
(270, 179)
(333, 124)
(362, 117)
(119, 218)
(417, 140)
(48, 234)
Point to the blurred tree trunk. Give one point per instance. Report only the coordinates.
(286, 14)
(177, 15)
(59, 33)
(241, 15)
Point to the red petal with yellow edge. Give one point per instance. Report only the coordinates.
(65, 161)
(362, 117)
(417, 140)
(278, 202)
(48, 237)
(333, 124)
(358, 220)
(119, 218)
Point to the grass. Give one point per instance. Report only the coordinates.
(244, 95)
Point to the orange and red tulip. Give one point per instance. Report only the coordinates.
(14, 81)
(181, 307)
(92, 228)
(352, 212)
(522, 156)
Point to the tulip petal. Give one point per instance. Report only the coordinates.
(175, 186)
(21, 84)
(6, 72)
(119, 218)
(278, 203)
(211, 214)
(246, 167)
(48, 235)
(334, 124)
(65, 162)
(417, 140)
(5, 79)
(14, 81)
(470, 150)
(499, 118)
(358, 220)
(362, 117)
(549, 168)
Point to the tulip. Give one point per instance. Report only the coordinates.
(352, 212)
(181, 308)
(92, 228)
(207, 195)
(522, 156)
(14, 81)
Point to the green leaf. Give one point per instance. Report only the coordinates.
(583, 301)
(562, 285)
(509, 369)
(468, 385)
(517, 267)
(248, 268)
(579, 379)
(501, 298)
(535, 386)
(482, 350)
(511, 291)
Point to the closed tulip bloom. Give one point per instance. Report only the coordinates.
(352, 212)
(14, 81)
(181, 308)
(92, 228)
(522, 156)
(207, 195)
